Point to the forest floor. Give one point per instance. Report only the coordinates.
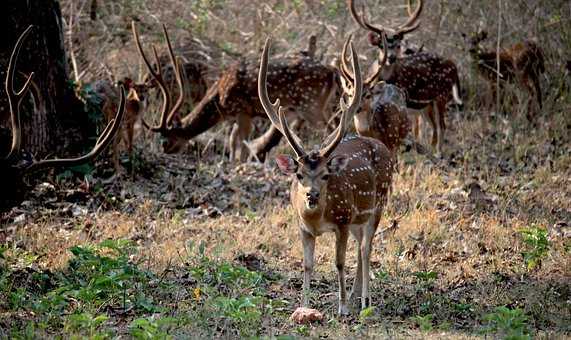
(197, 246)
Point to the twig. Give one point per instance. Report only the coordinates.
(498, 55)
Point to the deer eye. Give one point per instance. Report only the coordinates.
(325, 177)
(299, 176)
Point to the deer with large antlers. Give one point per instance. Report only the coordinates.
(340, 187)
(429, 81)
(305, 86)
(522, 63)
(14, 166)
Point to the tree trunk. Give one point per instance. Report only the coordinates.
(55, 119)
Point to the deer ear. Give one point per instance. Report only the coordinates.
(337, 163)
(374, 39)
(287, 164)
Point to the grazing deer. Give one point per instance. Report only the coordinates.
(522, 63)
(305, 86)
(429, 81)
(341, 187)
(15, 166)
(136, 101)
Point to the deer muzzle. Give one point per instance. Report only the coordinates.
(312, 199)
(391, 57)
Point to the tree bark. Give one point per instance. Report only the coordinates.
(55, 119)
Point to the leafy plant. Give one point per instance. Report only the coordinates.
(95, 277)
(426, 276)
(507, 323)
(229, 291)
(149, 328)
(537, 246)
(87, 324)
(423, 322)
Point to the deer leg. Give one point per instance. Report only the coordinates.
(263, 144)
(414, 115)
(130, 130)
(233, 140)
(536, 85)
(244, 130)
(271, 138)
(308, 242)
(129, 133)
(340, 253)
(431, 115)
(356, 290)
(365, 248)
(523, 81)
(440, 113)
(491, 102)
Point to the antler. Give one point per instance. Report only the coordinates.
(15, 97)
(347, 110)
(274, 111)
(348, 76)
(102, 142)
(410, 25)
(167, 113)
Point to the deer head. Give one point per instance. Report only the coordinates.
(312, 169)
(394, 36)
(135, 91)
(474, 40)
(167, 112)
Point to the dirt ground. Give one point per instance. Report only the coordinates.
(457, 255)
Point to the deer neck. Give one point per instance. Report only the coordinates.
(325, 216)
(206, 114)
(132, 106)
(389, 70)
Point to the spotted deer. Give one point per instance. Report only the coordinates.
(135, 103)
(522, 63)
(429, 81)
(305, 86)
(383, 113)
(16, 165)
(340, 187)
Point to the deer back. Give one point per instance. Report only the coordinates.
(424, 76)
(528, 57)
(384, 116)
(300, 83)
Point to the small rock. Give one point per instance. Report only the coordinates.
(306, 315)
